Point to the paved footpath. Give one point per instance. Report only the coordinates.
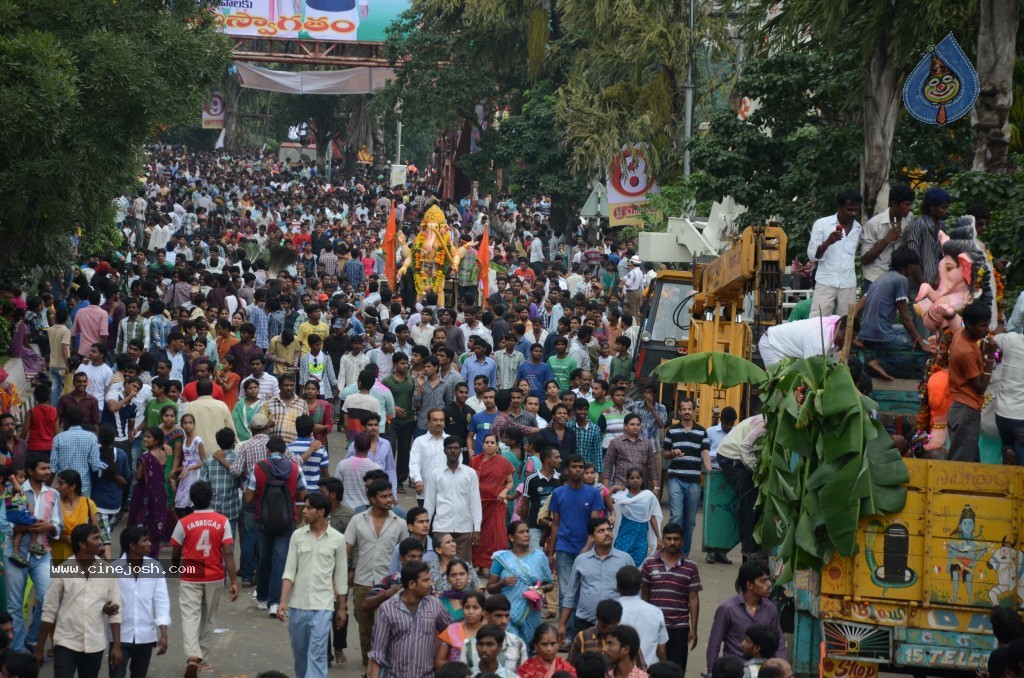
(248, 641)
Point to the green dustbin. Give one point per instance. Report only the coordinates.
(720, 531)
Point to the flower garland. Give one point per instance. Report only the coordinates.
(420, 278)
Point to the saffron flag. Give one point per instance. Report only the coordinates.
(483, 258)
(390, 246)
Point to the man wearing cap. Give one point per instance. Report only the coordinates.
(633, 284)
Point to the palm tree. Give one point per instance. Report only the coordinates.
(625, 83)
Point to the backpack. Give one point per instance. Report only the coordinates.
(277, 506)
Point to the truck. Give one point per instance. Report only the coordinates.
(917, 595)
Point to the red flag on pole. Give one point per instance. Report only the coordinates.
(390, 246)
(483, 257)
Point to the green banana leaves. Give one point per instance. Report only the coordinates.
(722, 369)
(824, 461)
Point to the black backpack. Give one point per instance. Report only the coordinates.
(277, 506)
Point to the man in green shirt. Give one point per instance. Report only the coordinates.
(621, 362)
(404, 423)
(159, 401)
(562, 364)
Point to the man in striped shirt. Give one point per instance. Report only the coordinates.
(670, 581)
(688, 453)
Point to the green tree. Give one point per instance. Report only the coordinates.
(451, 56)
(525, 146)
(788, 159)
(628, 62)
(888, 37)
(83, 85)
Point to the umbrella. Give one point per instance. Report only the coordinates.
(721, 369)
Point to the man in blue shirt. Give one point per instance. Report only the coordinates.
(891, 349)
(536, 372)
(481, 422)
(572, 506)
(480, 363)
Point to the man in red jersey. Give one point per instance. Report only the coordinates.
(204, 537)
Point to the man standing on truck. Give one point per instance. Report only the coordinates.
(970, 371)
(833, 244)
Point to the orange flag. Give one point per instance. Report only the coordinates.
(390, 246)
(483, 257)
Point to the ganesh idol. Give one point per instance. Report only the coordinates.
(431, 255)
(966, 275)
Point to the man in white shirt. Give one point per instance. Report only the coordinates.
(145, 605)
(633, 284)
(803, 338)
(648, 620)
(99, 373)
(833, 244)
(882, 234)
(427, 453)
(453, 500)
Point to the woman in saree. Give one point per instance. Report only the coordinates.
(445, 548)
(523, 576)
(495, 473)
(321, 411)
(245, 409)
(149, 497)
(545, 662)
(32, 362)
(75, 510)
(639, 514)
(174, 439)
(455, 636)
(457, 573)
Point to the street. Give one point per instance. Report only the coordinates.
(247, 641)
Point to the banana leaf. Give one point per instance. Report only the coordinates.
(721, 369)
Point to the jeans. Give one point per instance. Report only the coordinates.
(273, 551)
(15, 580)
(1011, 433)
(309, 631)
(247, 567)
(683, 502)
(565, 562)
(68, 663)
(57, 384)
(136, 654)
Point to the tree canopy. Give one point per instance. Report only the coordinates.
(83, 86)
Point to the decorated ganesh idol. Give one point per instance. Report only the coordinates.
(966, 275)
(432, 255)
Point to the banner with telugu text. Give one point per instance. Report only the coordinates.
(331, 20)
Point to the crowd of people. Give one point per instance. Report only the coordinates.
(192, 383)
